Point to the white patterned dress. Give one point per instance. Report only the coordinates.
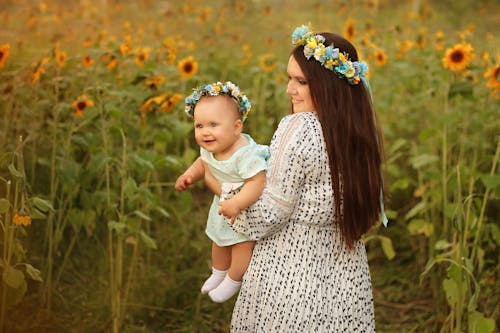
(301, 279)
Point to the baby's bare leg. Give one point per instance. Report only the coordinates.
(221, 256)
(241, 254)
(221, 259)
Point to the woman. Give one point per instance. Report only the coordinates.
(309, 270)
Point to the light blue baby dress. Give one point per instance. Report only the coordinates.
(245, 163)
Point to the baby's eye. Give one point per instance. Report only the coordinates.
(198, 126)
(213, 124)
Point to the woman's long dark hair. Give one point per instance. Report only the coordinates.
(353, 141)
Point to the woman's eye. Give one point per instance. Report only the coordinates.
(303, 82)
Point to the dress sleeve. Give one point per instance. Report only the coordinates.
(253, 162)
(289, 164)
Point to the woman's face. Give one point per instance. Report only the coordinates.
(298, 88)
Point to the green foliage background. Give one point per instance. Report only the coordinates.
(113, 247)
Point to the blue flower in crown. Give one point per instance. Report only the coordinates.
(215, 89)
(298, 35)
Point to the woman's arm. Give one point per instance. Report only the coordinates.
(293, 152)
(249, 193)
(193, 174)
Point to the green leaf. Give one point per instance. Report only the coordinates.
(422, 160)
(398, 144)
(420, 227)
(12, 277)
(42, 204)
(400, 184)
(479, 324)
(33, 273)
(387, 247)
(163, 212)
(442, 245)
(451, 290)
(415, 210)
(142, 215)
(148, 241)
(491, 182)
(13, 171)
(4, 205)
(495, 232)
(119, 227)
(463, 88)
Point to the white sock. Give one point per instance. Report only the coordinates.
(213, 281)
(225, 290)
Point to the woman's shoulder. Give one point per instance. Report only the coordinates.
(300, 123)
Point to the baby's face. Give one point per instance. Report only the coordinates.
(217, 126)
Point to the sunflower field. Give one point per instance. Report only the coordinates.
(93, 135)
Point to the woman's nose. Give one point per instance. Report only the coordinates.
(290, 88)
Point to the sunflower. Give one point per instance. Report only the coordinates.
(380, 58)
(87, 42)
(59, 56)
(142, 56)
(439, 40)
(112, 63)
(458, 57)
(40, 68)
(168, 104)
(4, 53)
(247, 54)
(149, 105)
(80, 104)
(403, 47)
(155, 81)
(267, 62)
(267, 10)
(241, 7)
(87, 61)
(187, 67)
(493, 76)
(349, 31)
(421, 38)
(205, 14)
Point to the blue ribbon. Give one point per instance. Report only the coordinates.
(385, 221)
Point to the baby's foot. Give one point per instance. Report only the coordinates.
(225, 290)
(213, 281)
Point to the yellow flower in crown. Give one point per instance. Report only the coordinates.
(311, 43)
(350, 71)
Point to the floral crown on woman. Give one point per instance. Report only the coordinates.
(330, 57)
(216, 89)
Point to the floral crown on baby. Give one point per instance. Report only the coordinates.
(216, 89)
(330, 57)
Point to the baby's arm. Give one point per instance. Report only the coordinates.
(250, 192)
(194, 173)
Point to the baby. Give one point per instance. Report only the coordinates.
(237, 162)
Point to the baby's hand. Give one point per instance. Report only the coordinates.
(229, 209)
(183, 182)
